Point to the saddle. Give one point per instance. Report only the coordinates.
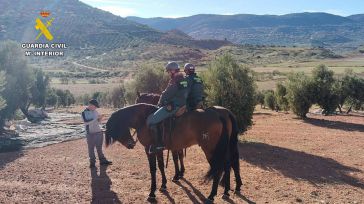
(168, 124)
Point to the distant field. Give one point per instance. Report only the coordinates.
(337, 65)
(81, 89)
(82, 86)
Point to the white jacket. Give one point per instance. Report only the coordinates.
(90, 119)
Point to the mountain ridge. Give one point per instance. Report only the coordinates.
(315, 29)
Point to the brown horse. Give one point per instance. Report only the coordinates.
(233, 130)
(205, 128)
(152, 98)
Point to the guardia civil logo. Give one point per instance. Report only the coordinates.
(43, 27)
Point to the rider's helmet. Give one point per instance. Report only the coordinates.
(189, 68)
(172, 66)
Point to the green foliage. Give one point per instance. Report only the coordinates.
(269, 100)
(323, 80)
(39, 88)
(341, 88)
(51, 97)
(97, 81)
(300, 93)
(149, 79)
(2, 87)
(18, 79)
(114, 98)
(65, 98)
(117, 97)
(281, 97)
(232, 86)
(356, 94)
(259, 98)
(64, 80)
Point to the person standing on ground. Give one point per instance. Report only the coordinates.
(94, 135)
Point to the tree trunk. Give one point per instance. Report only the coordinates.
(339, 108)
(349, 110)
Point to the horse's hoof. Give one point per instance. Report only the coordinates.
(175, 179)
(152, 199)
(163, 189)
(209, 201)
(226, 196)
(237, 192)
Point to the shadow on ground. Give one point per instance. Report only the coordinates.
(101, 187)
(6, 158)
(298, 165)
(339, 125)
(10, 149)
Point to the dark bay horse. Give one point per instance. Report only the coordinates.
(205, 128)
(233, 130)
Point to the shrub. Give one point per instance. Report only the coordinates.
(281, 97)
(259, 98)
(299, 93)
(269, 100)
(117, 97)
(65, 98)
(323, 80)
(51, 98)
(149, 79)
(2, 87)
(232, 86)
(64, 80)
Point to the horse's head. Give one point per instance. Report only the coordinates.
(118, 130)
(149, 98)
(119, 124)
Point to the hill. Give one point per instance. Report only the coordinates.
(313, 29)
(80, 26)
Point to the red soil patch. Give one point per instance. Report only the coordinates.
(283, 160)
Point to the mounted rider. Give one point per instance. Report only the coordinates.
(195, 88)
(172, 99)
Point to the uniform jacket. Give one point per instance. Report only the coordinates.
(176, 92)
(195, 90)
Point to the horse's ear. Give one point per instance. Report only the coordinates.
(138, 93)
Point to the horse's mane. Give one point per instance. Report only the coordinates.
(120, 121)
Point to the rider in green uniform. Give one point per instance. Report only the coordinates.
(195, 88)
(172, 98)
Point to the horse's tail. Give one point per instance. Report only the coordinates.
(217, 160)
(234, 134)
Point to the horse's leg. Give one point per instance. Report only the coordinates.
(161, 168)
(153, 170)
(236, 167)
(213, 193)
(180, 156)
(176, 167)
(227, 175)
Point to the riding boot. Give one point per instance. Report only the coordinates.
(157, 139)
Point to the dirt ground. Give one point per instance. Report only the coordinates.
(283, 160)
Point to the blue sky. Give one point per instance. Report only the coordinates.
(180, 8)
